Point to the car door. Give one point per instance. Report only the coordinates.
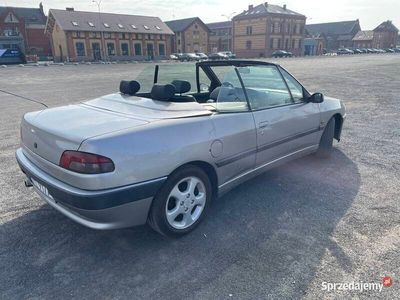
(234, 148)
(285, 124)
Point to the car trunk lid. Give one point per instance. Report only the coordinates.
(50, 132)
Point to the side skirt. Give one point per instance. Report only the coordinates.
(227, 186)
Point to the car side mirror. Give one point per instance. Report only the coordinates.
(316, 98)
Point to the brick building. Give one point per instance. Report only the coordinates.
(220, 36)
(364, 39)
(337, 34)
(314, 44)
(88, 36)
(385, 35)
(260, 30)
(23, 28)
(191, 35)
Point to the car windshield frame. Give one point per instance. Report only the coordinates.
(207, 67)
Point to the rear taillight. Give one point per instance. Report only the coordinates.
(86, 163)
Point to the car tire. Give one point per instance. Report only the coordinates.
(326, 143)
(181, 203)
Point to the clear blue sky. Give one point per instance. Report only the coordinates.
(370, 12)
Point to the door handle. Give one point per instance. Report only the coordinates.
(263, 125)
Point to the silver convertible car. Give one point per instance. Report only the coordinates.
(164, 147)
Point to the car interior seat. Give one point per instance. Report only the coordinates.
(214, 94)
(129, 87)
(181, 87)
(162, 92)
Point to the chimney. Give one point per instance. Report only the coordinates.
(284, 6)
(69, 9)
(266, 4)
(251, 6)
(41, 7)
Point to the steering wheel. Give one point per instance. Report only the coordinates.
(233, 90)
(228, 84)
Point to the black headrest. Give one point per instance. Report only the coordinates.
(162, 92)
(214, 94)
(181, 86)
(129, 87)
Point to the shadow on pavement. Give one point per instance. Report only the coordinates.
(265, 238)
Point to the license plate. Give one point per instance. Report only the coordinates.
(41, 188)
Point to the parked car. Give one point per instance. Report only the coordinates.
(179, 56)
(282, 53)
(229, 54)
(162, 156)
(202, 56)
(192, 57)
(397, 50)
(344, 51)
(357, 51)
(364, 50)
(173, 57)
(217, 56)
(12, 56)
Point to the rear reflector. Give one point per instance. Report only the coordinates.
(86, 163)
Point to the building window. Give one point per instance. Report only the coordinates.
(179, 42)
(138, 49)
(293, 43)
(80, 49)
(106, 25)
(146, 27)
(248, 45)
(161, 49)
(158, 27)
(272, 27)
(271, 43)
(124, 49)
(75, 23)
(91, 24)
(120, 26)
(133, 26)
(249, 30)
(110, 49)
(287, 44)
(278, 27)
(279, 43)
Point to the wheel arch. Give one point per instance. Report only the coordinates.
(208, 169)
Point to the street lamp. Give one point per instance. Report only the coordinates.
(102, 44)
(229, 17)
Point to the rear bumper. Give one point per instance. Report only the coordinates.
(103, 209)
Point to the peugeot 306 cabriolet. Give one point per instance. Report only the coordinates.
(163, 148)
